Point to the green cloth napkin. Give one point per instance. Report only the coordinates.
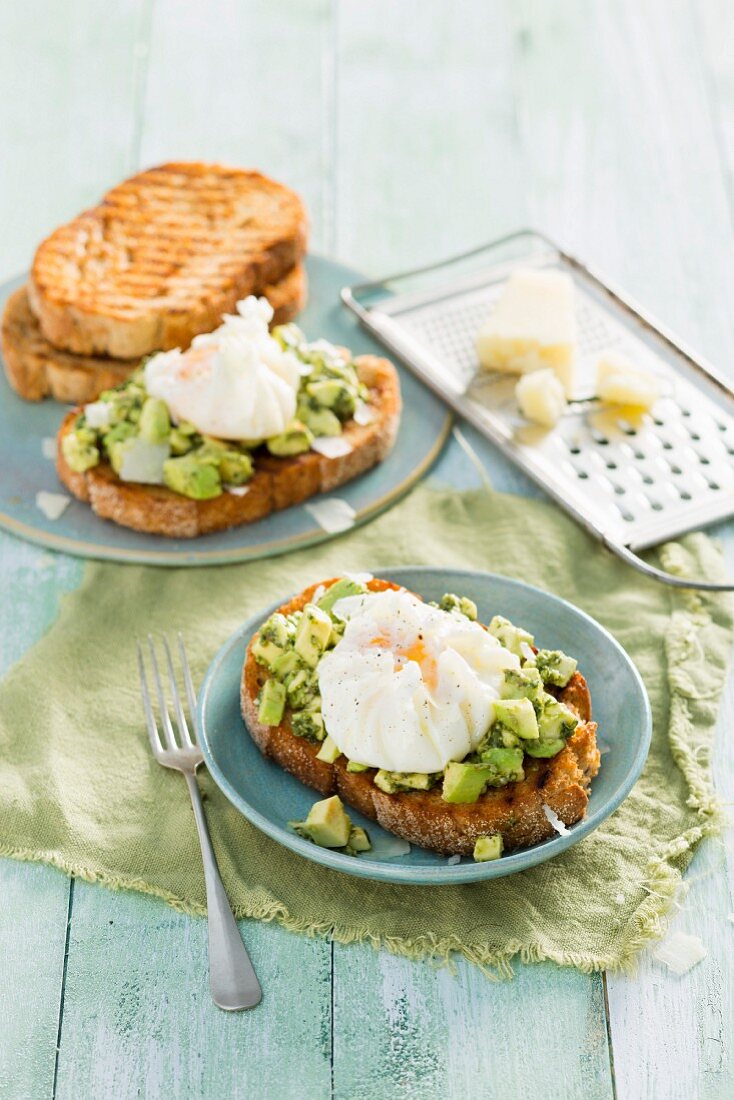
(80, 790)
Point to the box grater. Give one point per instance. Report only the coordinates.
(632, 479)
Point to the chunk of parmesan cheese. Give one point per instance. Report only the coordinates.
(390, 847)
(554, 819)
(620, 382)
(680, 952)
(541, 397)
(533, 325)
(332, 514)
(331, 446)
(52, 504)
(48, 447)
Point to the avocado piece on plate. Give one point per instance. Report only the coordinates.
(328, 824)
(488, 847)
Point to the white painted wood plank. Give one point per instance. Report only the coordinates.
(67, 117)
(249, 83)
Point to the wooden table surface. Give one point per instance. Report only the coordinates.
(413, 129)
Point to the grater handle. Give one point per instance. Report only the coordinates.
(637, 562)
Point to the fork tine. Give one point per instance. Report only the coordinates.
(183, 728)
(165, 717)
(155, 741)
(190, 693)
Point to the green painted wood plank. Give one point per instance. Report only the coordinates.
(139, 1020)
(248, 83)
(428, 158)
(34, 899)
(66, 114)
(404, 1030)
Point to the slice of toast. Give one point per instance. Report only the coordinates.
(162, 257)
(276, 484)
(422, 817)
(36, 369)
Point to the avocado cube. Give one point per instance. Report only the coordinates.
(544, 748)
(309, 724)
(339, 591)
(554, 666)
(464, 782)
(385, 781)
(80, 454)
(192, 477)
(488, 847)
(510, 636)
(504, 765)
(327, 823)
(329, 751)
(320, 421)
(235, 467)
(312, 635)
(272, 703)
(521, 683)
(462, 604)
(326, 392)
(179, 442)
(556, 719)
(353, 766)
(284, 663)
(293, 441)
(275, 629)
(358, 839)
(300, 687)
(155, 423)
(518, 715)
(265, 652)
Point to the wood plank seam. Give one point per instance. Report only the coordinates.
(69, 909)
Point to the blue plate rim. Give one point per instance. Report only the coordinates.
(363, 867)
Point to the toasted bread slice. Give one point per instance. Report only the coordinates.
(276, 484)
(162, 257)
(422, 817)
(36, 369)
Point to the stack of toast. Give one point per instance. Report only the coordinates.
(161, 258)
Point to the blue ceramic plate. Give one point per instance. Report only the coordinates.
(269, 797)
(24, 425)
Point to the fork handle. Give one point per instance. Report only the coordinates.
(232, 979)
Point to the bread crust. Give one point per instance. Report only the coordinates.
(36, 369)
(277, 482)
(422, 817)
(162, 257)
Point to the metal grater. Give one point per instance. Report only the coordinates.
(633, 480)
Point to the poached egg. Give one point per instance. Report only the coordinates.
(409, 687)
(234, 383)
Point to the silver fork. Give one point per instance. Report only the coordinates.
(232, 980)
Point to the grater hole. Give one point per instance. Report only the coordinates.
(655, 505)
(639, 454)
(575, 450)
(684, 495)
(704, 461)
(675, 469)
(599, 437)
(685, 412)
(714, 485)
(611, 465)
(647, 479)
(657, 422)
(695, 436)
(667, 445)
(627, 516)
(620, 490)
(582, 474)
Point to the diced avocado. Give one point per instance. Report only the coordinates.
(555, 719)
(329, 751)
(179, 442)
(353, 766)
(328, 824)
(285, 664)
(187, 428)
(544, 748)
(320, 421)
(334, 393)
(265, 652)
(488, 847)
(235, 467)
(521, 683)
(293, 441)
(510, 636)
(339, 591)
(155, 423)
(301, 688)
(192, 478)
(312, 636)
(309, 724)
(394, 782)
(462, 604)
(504, 764)
(80, 453)
(518, 716)
(275, 629)
(272, 703)
(464, 782)
(358, 839)
(555, 667)
(117, 433)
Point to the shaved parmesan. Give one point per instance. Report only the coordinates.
(603, 746)
(48, 447)
(331, 446)
(389, 847)
(318, 593)
(453, 860)
(555, 820)
(52, 504)
(363, 415)
(97, 414)
(237, 490)
(143, 461)
(680, 952)
(332, 515)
